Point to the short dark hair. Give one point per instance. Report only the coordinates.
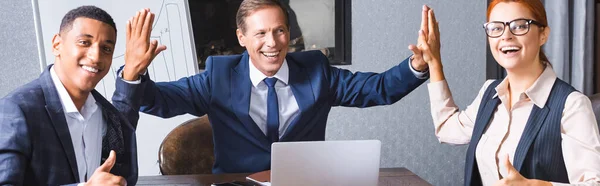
(91, 12)
(250, 6)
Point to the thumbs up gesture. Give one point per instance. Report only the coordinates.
(513, 177)
(102, 175)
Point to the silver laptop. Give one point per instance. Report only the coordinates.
(330, 163)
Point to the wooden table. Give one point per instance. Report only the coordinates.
(387, 177)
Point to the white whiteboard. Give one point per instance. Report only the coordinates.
(172, 27)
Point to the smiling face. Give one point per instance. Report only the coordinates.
(516, 52)
(266, 37)
(83, 54)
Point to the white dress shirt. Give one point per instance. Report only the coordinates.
(286, 101)
(579, 130)
(86, 128)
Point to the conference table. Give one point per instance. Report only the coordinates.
(387, 177)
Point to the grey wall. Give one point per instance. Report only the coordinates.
(19, 58)
(382, 30)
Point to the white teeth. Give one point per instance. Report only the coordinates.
(89, 69)
(504, 49)
(270, 54)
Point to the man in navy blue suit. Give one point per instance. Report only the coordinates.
(57, 129)
(265, 95)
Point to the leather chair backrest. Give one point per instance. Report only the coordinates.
(188, 149)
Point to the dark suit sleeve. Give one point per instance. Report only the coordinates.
(189, 95)
(365, 89)
(127, 99)
(14, 144)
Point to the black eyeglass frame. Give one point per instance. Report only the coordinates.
(528, 21)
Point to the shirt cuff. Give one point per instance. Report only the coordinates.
(420, 75)
(136, 82)
(81, 184)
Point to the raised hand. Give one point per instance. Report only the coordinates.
(140, 51)
(102, 175)
(513, 177)
(417, 59)
(428, 47)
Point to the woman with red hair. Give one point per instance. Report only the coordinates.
(529, 128)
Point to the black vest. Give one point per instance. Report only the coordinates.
(539, 152)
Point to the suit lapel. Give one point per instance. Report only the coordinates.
(486, 116)
(533, 126)
(241, 101)
(305, 97)
(481, 123)
(114, 138)
(57, 117)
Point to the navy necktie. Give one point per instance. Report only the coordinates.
(272, 111)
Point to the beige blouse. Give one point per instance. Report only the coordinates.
(579, 130)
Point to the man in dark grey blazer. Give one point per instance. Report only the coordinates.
(57, 129)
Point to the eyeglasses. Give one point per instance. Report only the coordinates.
(517, 27)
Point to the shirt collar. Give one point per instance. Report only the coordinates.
(256, 76)
(538, 92)
(68, 105)
(502, 88)
(541, 88)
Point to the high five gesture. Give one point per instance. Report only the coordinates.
(140, 51)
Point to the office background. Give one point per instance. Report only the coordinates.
(381, 32)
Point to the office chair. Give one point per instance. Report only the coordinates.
(188, 149)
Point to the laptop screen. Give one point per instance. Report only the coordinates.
(346, 163)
